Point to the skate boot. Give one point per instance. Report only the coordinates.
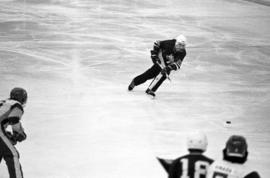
(131, 86)
(150, 92)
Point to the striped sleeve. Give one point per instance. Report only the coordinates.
(156, 47)
(178, 62)
(15, 115)
(176, 65)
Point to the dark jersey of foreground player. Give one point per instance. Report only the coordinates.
(193, 165)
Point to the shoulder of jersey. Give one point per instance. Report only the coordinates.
(14, 103)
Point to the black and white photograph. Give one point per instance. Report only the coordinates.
(134, 88)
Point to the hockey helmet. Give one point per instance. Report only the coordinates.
(181, 39)
(19, 94)
(197, 141)
(236, 146)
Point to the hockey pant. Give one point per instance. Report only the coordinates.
(10, 154)
(155, 84)
(151, 73)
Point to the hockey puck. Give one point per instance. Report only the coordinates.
(228, 122)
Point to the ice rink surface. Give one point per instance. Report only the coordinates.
(77, 57)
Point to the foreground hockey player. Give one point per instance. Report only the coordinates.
(192, 165)
(166, 55)
(234, 157)
(11, 111)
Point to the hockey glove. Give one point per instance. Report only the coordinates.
(19, 136)
(166, 70)
(11, 138)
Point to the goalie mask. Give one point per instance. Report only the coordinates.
(236, 146)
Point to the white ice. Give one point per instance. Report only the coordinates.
(76, 59)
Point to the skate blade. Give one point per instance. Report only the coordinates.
(151, 96)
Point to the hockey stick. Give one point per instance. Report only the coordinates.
(162, 64)
(167, 76)
(152, 82)
(157, 79)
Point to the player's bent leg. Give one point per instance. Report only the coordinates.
(11, 157)
(155, 85)
(149, 74)
(131, 85)
(158, 83)
(14, 167)
(150, 92)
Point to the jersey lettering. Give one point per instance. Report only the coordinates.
(184, 168)
(200, 168)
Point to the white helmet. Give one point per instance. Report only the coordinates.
(181, 39)
(197, 140)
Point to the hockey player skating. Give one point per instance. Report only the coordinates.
(166, 55)
(11, 111)
(233, 165)
(192, 165)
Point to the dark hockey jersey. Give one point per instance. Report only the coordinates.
(169, 54)
(193, 165)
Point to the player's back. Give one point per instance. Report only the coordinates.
(5, 106)
(226, 169)
(194, 165)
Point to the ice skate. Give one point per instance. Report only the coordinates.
(131, 86)
(150, 92)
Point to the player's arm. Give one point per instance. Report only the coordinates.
(175, 65)
(170, 67)
(14, 120)
(178, 62)
(155, 51)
